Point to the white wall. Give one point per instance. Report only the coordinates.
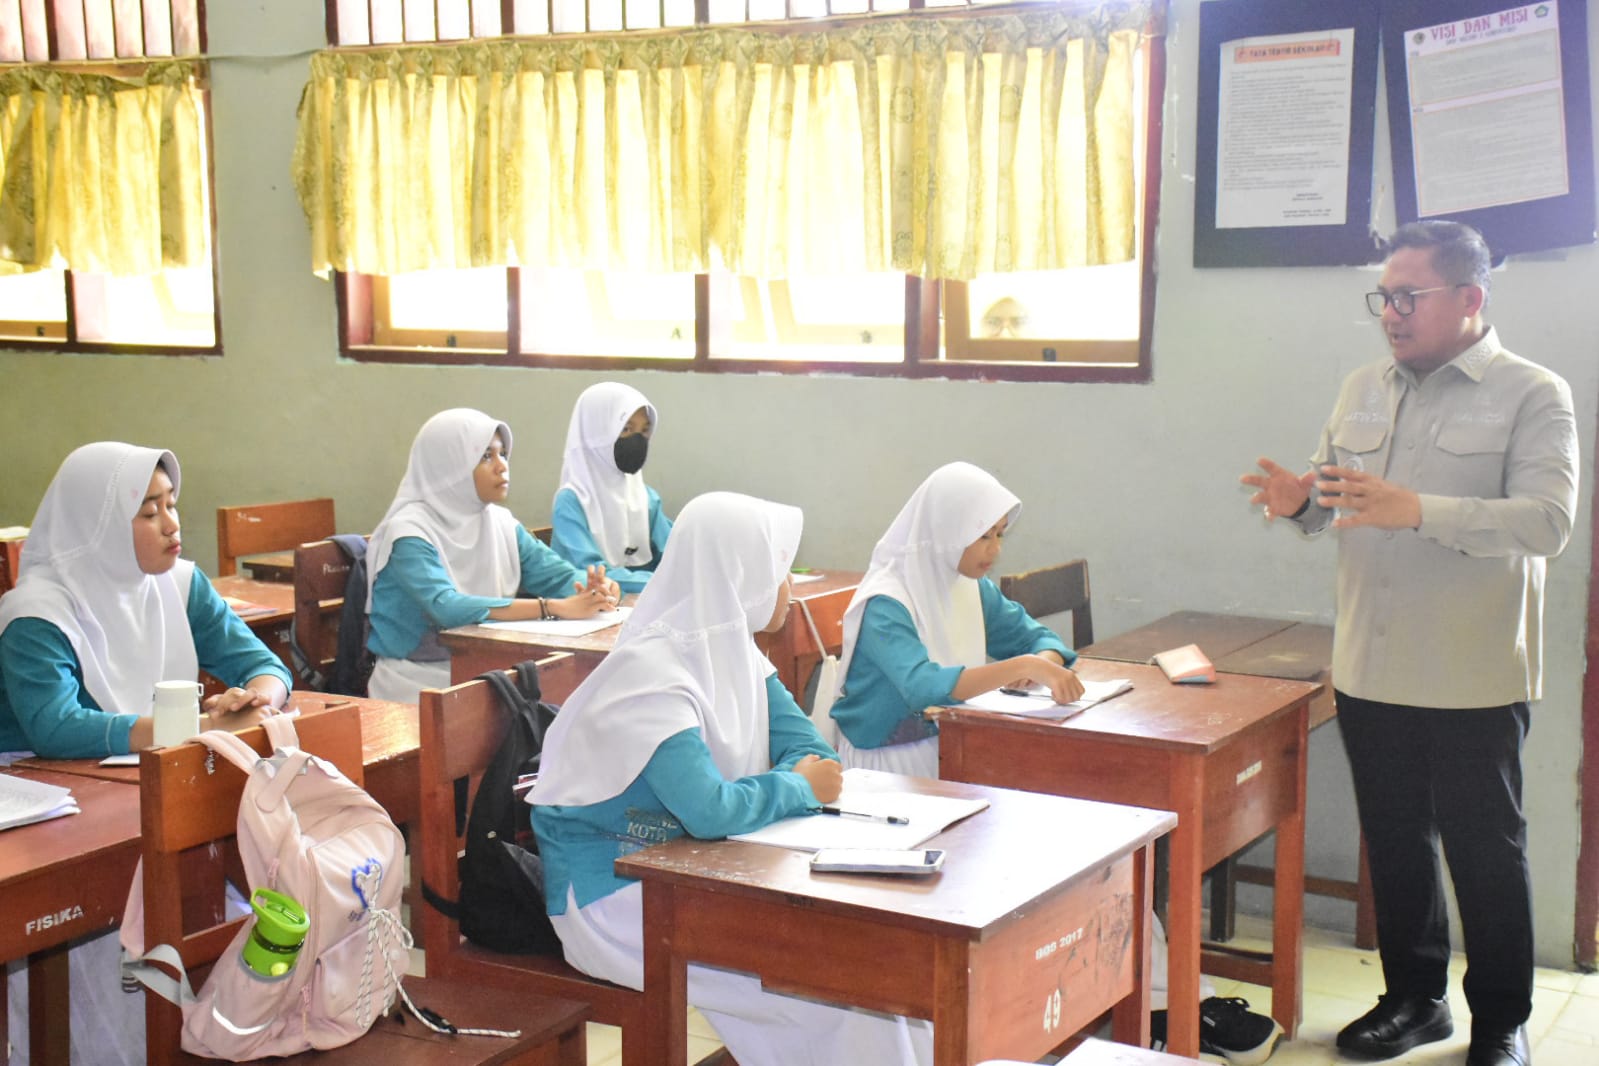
(1142, 480)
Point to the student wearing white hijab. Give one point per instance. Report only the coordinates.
(447, 554)
(684, 729)
(104, 607)
(924, 623)
(604, 514)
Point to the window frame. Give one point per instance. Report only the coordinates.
(356, 301)
(71, 342)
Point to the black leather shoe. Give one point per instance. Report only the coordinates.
(1397, 1024)
(1498, 1047)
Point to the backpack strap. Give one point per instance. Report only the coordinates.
(810, 623)
(230, 748)
(280, 731)
(143, 970)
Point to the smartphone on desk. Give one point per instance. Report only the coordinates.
(914, 861)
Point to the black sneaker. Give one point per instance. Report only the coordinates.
(1228, 1028)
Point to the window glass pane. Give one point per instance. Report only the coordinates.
(591, 312)
(643, 14)
(569, 16)
(449, 301)
(530, 16)
(1089, 303)
(173, 308)
(848, 318)
(727, 11)
(34, 306)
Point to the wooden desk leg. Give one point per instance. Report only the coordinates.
(1183, 927)
(1365, 908)
(1223, 899)
(49, 1007)
(1288, 908)
(665, 980)
(1129, 1019)
(951, 997)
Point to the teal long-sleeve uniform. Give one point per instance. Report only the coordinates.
(573, 541)
(891, 680)
(413, 597)
(679, 792)
(45, 708)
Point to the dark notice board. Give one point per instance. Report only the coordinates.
(1552, 222)
(1348, 244)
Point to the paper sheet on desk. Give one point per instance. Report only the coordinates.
(1040, 706)
(23, 802)
(928, 816)
(567, 627)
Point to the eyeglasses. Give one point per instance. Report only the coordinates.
(1403, 301)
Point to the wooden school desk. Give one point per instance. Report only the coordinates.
(61, 880)
(1037, 924)
(1265, 647)
(476, 649)
(87, 862)
(1228, 758)
(272, 624)
(270, 566)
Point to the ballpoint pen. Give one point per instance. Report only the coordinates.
(891, 819)
(1024, 692)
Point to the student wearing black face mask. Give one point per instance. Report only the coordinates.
(604, 514)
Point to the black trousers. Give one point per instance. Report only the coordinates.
(1424, 775)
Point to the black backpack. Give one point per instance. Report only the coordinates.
(502, 878)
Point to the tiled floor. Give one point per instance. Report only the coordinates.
(1340, 984)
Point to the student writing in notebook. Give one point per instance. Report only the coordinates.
(447, 554)
(604, 514)
(926, 620)
(104, 608)
(684, 729)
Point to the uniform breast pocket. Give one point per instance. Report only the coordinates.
(1469, 461)
(1355, 445)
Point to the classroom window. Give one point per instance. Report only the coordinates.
(161, 296)
(1084, 323)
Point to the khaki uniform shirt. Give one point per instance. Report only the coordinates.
(1449, 615)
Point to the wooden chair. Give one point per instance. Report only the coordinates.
(1052, 589)
(10, 561)
(793, 650)
(462, 727)
(187, 803)
(320, 571)
(269, 527)
(543, 533)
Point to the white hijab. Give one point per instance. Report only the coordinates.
(438, 502)
(617, 504)
(79, 572)
(686, 658)
(916, 563)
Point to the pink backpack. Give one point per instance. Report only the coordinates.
(310, 833)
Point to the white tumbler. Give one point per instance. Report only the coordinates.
(177, 712)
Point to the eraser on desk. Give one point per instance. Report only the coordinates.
(1186, 665)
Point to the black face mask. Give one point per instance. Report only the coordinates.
(630, 453)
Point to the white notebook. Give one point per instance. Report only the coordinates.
(1037, 702)
(925, 817)
(567, 627)
(24, 801)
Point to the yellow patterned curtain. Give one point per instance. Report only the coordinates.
(103, 172)
(941, 146)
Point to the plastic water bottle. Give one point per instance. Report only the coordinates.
(280, 928)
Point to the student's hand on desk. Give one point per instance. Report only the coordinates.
(1062, 683)
(598, 583)
(1367, 500)
(1282, 492)
(234, 700)
(825, 776)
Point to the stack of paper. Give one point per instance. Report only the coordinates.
(1037, 702)
(567, 627)
(24, 801)
(866, 824)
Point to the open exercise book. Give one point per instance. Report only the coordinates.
(1037, 703)
(925, 817)
(24, 801)
(567, 627)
